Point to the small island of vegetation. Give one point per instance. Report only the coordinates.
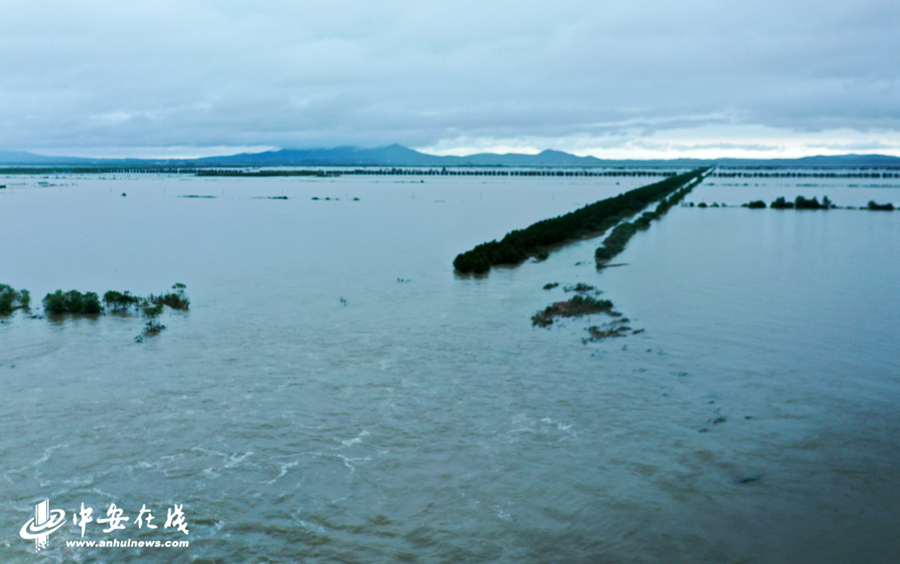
(122, 301)
(579, 305)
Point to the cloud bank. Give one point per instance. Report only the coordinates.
(611, 79)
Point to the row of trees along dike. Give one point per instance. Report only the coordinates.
(332, 172)
(456, 170)
(520, 244)
(430, 172)
(499, 172)
(615, 243)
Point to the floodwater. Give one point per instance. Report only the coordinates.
(337, 394)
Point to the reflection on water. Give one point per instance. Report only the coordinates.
(754, 419)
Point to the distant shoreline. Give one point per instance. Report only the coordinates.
(415, 170)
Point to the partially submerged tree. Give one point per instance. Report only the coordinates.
(72, 301)
(11, 300)
(781, 204)
(120, 301)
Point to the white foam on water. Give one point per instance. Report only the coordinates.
(284, 467)
(317, 528)
(235, 459)
(356, 440)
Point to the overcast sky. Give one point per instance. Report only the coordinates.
(636, 78)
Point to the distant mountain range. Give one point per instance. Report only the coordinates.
(397, 155)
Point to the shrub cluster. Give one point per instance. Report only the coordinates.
(802, 203)
(174, 300)
(73, 301)
(880, 207)
(781, 204)
(11, 300)
(518, 245)
(120, 301)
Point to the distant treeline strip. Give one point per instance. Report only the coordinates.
(501, 172)
(337, 170)
(805, 174)
(518, 245)
(405, 171)
(262, 173)
(433, 172)
(56, 170)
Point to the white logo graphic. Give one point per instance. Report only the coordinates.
(45, 522)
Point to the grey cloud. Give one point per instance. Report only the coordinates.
(296, 74)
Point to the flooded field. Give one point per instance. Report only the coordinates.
(336, 393)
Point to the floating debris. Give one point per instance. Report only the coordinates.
(607, 331)
(580, 288)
